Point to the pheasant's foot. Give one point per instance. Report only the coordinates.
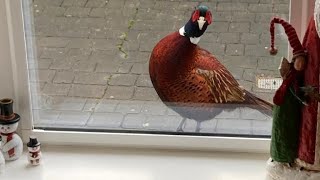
(179, 129)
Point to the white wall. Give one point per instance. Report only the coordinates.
(6, 78)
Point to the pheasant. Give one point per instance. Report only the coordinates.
(190, 80)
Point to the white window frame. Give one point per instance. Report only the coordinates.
(15, 51)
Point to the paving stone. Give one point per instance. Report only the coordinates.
(162, 123)
(76, 3)
(106, 105)
(79, 54)
(91, 78)
(103, 56)
(77, 12)
(123, 79)
(229, 37)
(39, 101)
(154, 108)
(243, 17)
(54, 11)
(219, 27)
(249, 38)
(74, 32)
(235, 126)
(143, 93)
(41, 75)
(222, 16)
(56, 42)
(115, 4)
(73, 118)
(110, 67)
(55, 53)
(248, 113)
(260, 28)
(36, 87)
(269, 63)
(266, 17)
(139, 68)
(119, 92)
(84, 66)
(125, 68)
(98, 12)
(63, 77)
(80, 43)
(129, 107)
(104, 44)
(235, 49)
(144, 81)
(96, 3)
(257, 50)
(56, 89)
(232, 6)
(47, 2)
(44, 117)
(215, 48)
(90, 91)
(134, 121)
(260, 8)
(283, 8)
(208, 126)
(240, 61)
(249, 75)
(61, 65)
(239, 27)
(105, 120)
(91, 105)
(262, 127)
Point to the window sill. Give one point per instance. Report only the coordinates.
(75, 162)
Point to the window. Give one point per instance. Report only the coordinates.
(87, 62)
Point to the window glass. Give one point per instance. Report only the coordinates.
(88, 62)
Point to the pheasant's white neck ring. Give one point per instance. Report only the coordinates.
(193, 40)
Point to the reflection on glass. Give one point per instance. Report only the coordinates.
(89, 63)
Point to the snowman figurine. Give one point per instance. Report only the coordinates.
(11, 145)
(34, 155)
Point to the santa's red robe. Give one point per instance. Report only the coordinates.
(309, 142)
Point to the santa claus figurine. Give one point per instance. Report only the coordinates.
(309, 142)
(34, 156)
(11, 145)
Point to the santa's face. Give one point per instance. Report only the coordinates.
(34, 149)
(8, 128)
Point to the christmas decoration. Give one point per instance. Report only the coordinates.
(190, 80)
(306, 165)
(34, 155)
(287, 109)
(11, 146)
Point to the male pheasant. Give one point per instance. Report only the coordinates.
(190, 80)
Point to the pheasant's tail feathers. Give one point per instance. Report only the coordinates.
(258, 103)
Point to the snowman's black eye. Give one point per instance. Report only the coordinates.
(2, 127)
(8, 127)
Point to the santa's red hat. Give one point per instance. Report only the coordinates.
(292, 37)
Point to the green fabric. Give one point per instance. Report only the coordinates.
(285, 129)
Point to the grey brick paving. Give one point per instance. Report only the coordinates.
(91, 61)
(92, 91)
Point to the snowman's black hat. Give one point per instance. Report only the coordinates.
(7, 116)
(33, 142)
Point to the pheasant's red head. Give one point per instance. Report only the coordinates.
(202, 16)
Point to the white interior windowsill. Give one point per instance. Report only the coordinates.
(89, 163)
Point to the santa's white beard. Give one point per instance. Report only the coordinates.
(317, 16)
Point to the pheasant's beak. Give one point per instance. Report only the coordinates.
(201, 22)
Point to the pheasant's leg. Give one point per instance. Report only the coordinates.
(198, 126)
(181, 125)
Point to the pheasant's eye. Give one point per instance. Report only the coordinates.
(195, 15)
(209, 17)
